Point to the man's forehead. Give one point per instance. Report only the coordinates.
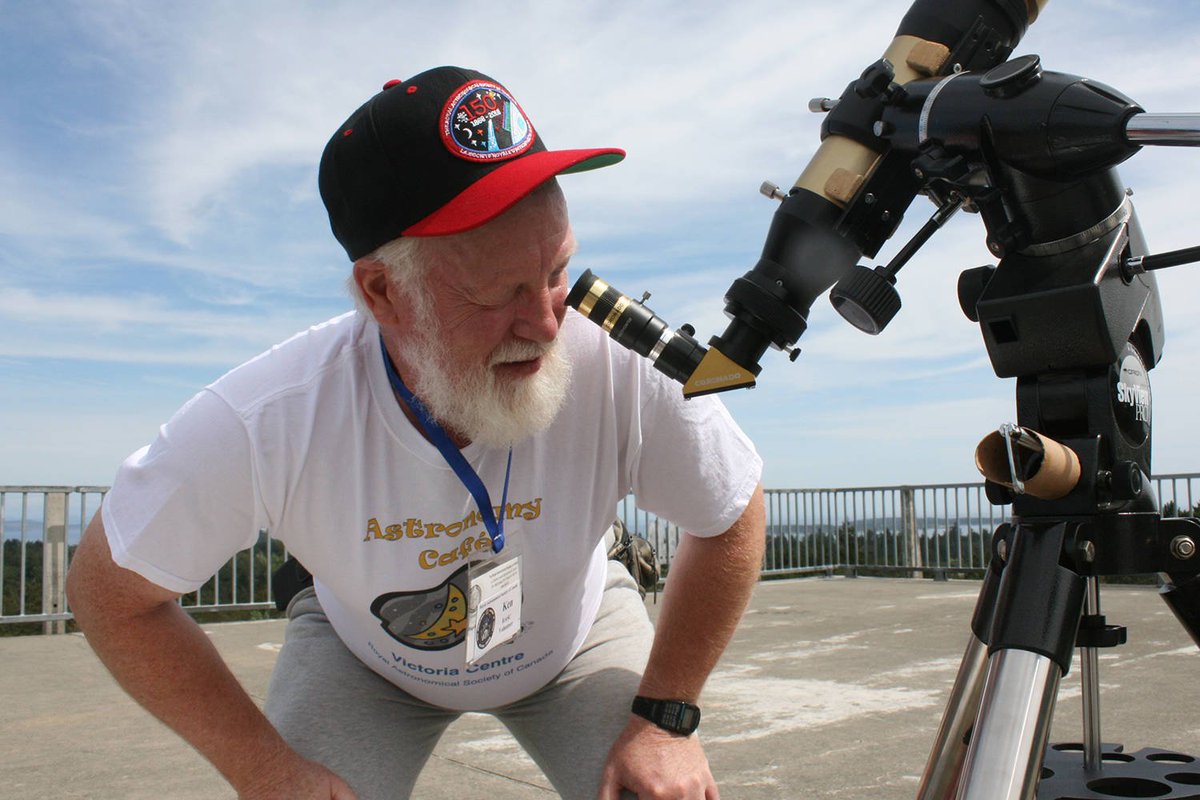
(528, 242)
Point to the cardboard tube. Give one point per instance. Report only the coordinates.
(1054, 478)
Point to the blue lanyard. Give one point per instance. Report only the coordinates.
(454, 457)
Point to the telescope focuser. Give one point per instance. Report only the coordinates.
(632, 324)
(676, 354)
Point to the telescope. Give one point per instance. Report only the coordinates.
(1070, 310)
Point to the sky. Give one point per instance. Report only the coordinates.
(160, 221)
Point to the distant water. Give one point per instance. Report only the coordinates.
(33, 530)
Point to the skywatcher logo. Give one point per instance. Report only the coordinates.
(1137, 398)
(1133, 388)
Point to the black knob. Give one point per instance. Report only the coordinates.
(866, 298)
(875, 79)
(1012, 77)
(971, 284)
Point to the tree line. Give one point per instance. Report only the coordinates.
(243, 579)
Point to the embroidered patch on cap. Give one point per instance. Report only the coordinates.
(481, 122)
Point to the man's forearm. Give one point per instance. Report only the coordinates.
(168, 665)
(707, 591)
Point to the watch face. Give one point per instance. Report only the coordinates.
(681, 717)
(676, 716)
(689, 718)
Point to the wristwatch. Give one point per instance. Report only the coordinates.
(676, 716)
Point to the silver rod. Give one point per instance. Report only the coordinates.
(1089, 676)
(1166, 129)
(942, 771)
(1004, 760)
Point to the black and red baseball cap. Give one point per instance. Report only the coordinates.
(440, 153)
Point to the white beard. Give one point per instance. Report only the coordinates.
(473, 402)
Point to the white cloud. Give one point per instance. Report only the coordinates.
(138, 329)
(166, 206)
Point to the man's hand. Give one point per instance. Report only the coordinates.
(710, 585)
(304, 780)
(657, 765)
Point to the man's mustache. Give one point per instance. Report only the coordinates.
(521, 350)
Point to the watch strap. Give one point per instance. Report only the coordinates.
(676, 716)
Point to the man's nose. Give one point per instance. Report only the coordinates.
(540, 315)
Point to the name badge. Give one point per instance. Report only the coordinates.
(493, 604)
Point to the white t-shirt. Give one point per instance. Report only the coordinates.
(307, 440)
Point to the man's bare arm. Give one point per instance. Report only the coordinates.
(708, 589)
(167, 664)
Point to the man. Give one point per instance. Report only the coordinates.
(445, 462)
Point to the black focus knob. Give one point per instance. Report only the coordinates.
(866, 298)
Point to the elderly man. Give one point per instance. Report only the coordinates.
(445, 462)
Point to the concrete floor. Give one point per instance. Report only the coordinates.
(832, 688)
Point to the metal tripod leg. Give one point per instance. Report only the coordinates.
(1031, 638)
(942, 770)
(1004, 761)
(1089, 676)
(1181, 593)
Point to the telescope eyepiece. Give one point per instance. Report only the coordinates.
(631, 324)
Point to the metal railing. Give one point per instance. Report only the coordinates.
(937, 530)
(42, 526)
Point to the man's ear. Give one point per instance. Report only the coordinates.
(373, 286)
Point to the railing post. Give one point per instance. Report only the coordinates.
(54, 560)
(908, 514)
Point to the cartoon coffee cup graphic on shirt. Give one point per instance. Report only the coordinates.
(431, 619)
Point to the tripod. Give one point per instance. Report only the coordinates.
(1077, 327)
(1041, 595)
(1072, 314)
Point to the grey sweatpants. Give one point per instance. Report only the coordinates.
(334, 710)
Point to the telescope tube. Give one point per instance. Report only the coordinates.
(852, 195)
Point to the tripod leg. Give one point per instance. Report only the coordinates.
(1032, 640)
(942, 770)
(1182, 594)
(1089, 676)
(940, 781)
(1004, 760)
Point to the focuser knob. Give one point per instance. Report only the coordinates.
(866, 298)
